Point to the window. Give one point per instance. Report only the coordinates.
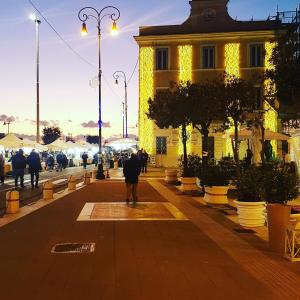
(162, 59)
(256, 55)
(161, 145)
(208, 57)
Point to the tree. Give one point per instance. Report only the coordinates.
(240, 100)
(172, 107)
(285, 77)
(208, 106)
(51, 134)
(92, 139)
(286, 72)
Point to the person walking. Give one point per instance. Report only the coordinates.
(18, 162)
(34, 163)
(84, 159)
(140, 159)
(50, 163)
(145, 158)
(59, 161)
(2, 165)
(131, 171)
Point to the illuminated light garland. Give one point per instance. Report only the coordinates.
(232, 68)
(185, 62)
(146, 126)
(271, 115)
(232, 59)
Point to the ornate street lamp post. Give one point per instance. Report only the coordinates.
(85, 14)
(116, 76)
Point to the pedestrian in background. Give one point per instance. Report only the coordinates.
(131, 171)
(35, 167)
(59, 161)
(2, 165)
(84, 159)
(50, 163)
(145, 158)
(18, 162)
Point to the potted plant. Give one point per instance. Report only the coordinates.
(215, 180)
(189, 180)
(250, 205)
(280, 186)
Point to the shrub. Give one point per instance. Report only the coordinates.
(214, 175)
(194, 164)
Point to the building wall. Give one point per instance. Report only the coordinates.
(185, 63)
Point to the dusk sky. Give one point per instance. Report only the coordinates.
(66, 96)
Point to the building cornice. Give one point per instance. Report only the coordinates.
(183, 38)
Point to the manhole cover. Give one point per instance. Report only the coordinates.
(74, 248)
(242, 230)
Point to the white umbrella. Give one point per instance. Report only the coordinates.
(269, 135)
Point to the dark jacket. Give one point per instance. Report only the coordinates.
(34, 162)
(145, 157)
(132, 170)
(18, 162)
(50, 161)
(84, 157)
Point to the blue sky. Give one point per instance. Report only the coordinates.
(66, 97)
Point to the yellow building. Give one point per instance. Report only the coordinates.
(205, 46)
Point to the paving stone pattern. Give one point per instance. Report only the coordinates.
(132, 260)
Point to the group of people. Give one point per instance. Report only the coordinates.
(19, 163)
(143, 157)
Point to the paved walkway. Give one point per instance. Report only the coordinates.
(197, 258)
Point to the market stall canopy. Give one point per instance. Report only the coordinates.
(57, 145)
(269, 135)
(122, 143)
(34, 145)
(11, 141)
(72, 145)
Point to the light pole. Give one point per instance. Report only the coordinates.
(123, 115)
(34, 18)
(85, 14)
(116, 76)
(7, 123)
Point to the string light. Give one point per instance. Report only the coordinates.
(146, 126)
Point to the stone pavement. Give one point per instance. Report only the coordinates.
(197, 256)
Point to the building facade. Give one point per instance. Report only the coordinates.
(205, 46)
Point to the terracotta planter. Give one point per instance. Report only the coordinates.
(188, 184)
(171, 176)
(216, 194)
(251, 214)
(278, 218)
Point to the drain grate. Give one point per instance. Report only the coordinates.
(242, 230)
(74, 248)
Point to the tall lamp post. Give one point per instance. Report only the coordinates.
(34, 18)
(123, 116)
(116, 76)
(7, 123)
(85, 14)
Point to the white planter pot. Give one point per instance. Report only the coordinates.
(171, 176)
(251, 214)
(216, 194)
(188, 184)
